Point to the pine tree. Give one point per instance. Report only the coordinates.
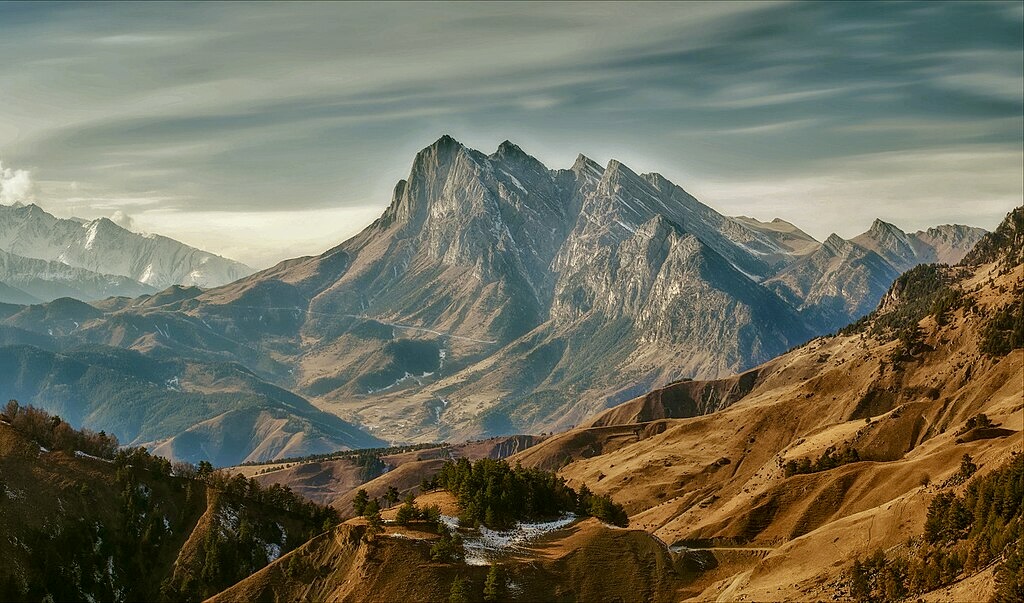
(374, 523)
(406, 513)
(494, 587)
(359, 502)
(460, 590)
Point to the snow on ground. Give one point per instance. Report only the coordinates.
(273, 551)
(490, 544)
(228, 519)
(85, 455)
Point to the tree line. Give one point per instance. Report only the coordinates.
(830, 459)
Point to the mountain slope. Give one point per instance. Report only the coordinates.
(12, 295)
(183, 410)
(904, 388)
(102, 247)
(838, 282)
(125, 526)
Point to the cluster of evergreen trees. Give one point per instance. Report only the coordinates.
(229, 556)
(497, 495)
(923, 290)
(495, 587)
(962, 533)
(830, 459)
(1004, 331)
(363, 453)
(53, 433)
(154, 502)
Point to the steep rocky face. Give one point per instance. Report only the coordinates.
(836, 284)
(946, 244)
(842, 280)
(103, 247)
(1004, 244)
(950, 242)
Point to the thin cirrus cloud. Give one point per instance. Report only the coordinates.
(197, 119)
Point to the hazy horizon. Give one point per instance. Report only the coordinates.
(266, 131)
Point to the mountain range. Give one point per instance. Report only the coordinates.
(495, 295)
(43, 257)
(880, 463)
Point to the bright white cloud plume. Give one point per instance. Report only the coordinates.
(15, 185)
(123, 219)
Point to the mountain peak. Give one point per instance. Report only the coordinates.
(585, 167)
(616, 168)
(507, 147)
(879, 227)
(835, 243)
(445, 141)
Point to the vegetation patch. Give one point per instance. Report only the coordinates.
(119, 529)
(830, 459)
(1004, 331)
(925, 290)
(495, 494)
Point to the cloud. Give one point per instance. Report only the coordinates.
(123, 220)
(216, 109)
(970, 185)
(15, 185)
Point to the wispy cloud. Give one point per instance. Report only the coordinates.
(315, 107)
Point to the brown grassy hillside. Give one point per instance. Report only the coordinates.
(584, 562)
(902, 399)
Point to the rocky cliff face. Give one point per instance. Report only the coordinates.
(842, 280)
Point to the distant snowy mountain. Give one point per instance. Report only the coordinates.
(104, 248)
(28, 281)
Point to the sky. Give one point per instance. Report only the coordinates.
(265, 131)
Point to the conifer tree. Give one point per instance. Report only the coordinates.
(494, 586)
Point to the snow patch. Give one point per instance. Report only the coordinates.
(489, 545)
(228, 519)
(273, 551)
(90, 237)
(515, 181)
(85, 455)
